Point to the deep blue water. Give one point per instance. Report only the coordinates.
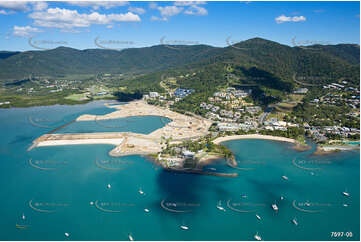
(61, 182)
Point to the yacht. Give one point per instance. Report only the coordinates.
(258, 217)
(294, 221)
(184, 227)
(130, 237)
(274, 207)
(219, 206)
(109, 186)
(285, 178)
(67, 234)
(257, 237)
(146, 210)
(346, 194)
(23, 216)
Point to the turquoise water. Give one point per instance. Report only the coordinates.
(62, 181)
(139, 124)
(353, 142)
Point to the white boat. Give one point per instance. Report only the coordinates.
(274, 207)
(244, 196)
(184, 227)
(346, 194)
(92, 203)
(130, 237)
(285, 178)
(258, 217)
(345, 205)
(67, 234)
(23, 216)
(219, 206)
(294, 221)
(307, 203)
(312, 173)
(257, 237)
(141, 192)
(109, 186)
(282, 198)
(146, 210)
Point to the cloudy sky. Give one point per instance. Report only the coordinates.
(118, 25)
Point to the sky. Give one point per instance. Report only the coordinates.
(118, 25)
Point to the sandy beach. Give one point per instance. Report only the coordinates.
(253, 136)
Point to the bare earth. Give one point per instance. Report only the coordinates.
(180, 128)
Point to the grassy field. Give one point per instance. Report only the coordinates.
(78, 97)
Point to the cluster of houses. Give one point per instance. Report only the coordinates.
(182, 92)
(319, 133)
(275, 124)
(176, 161)
(301, 91)
(232, 127)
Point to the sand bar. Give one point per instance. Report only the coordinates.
(80, 142)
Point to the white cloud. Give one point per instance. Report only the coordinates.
(155, 18)
(137, 10)
(24, 31)
(23, 6)
(188, 3)
(169, 11)
(16, 6)
(282, 19)
(98, 4)
(196, 10)
(66, 18)
(187, 7)
(39, 6)
(3, 12)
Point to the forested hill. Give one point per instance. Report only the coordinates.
(282, 61)
(64, 61)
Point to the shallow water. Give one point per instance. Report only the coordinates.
(61, 182)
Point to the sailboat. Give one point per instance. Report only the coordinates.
(219, 206)
(285, 178)
(257, 237)
(130, 237)
(346, 194)
(274, 207)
